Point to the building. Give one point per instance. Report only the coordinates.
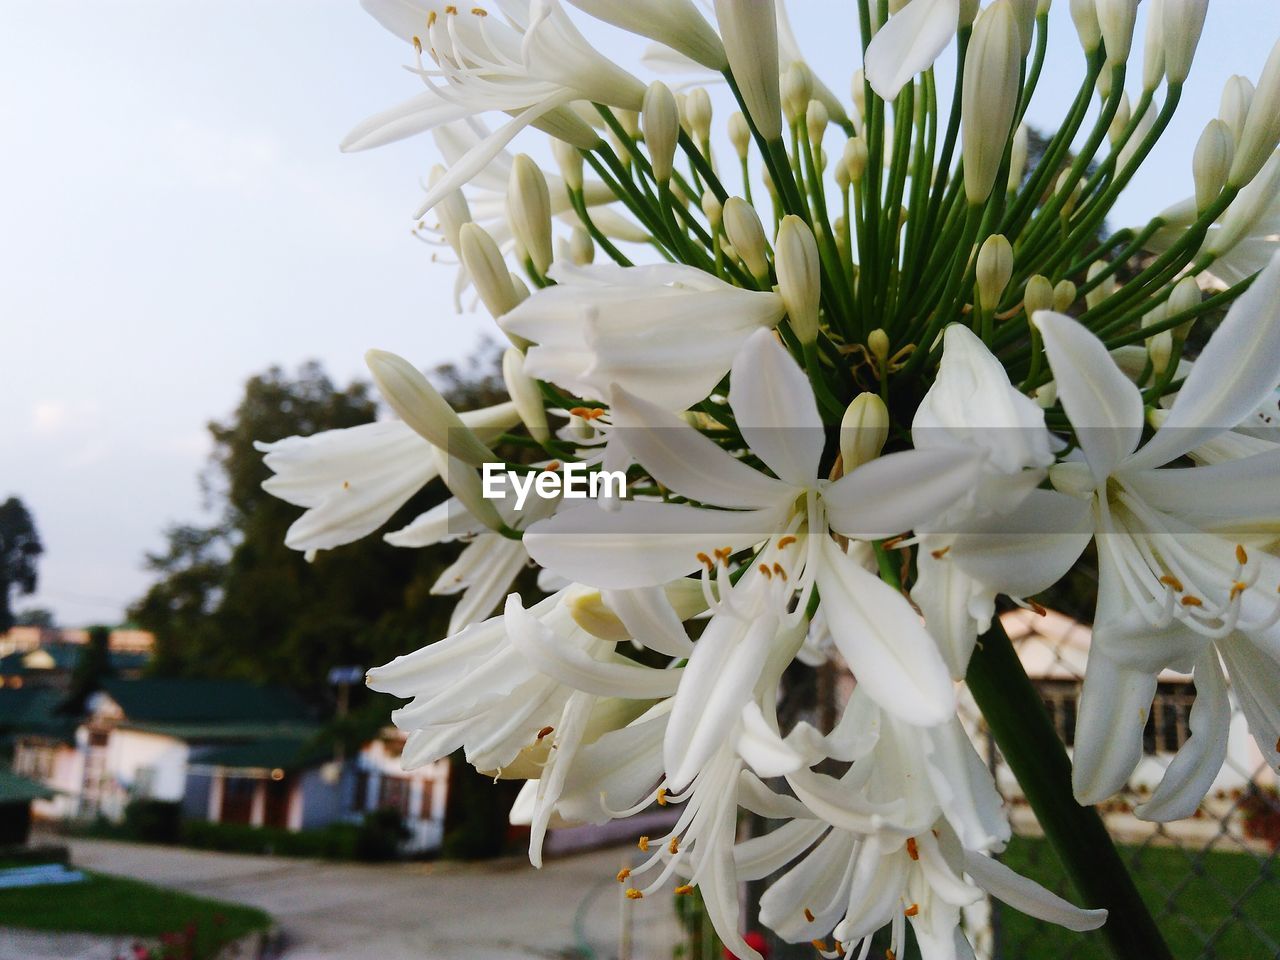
(54, 664)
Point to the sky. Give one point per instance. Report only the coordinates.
(175, 216)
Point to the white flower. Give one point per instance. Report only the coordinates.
(909, 44)
(352, 480)
(531, 63)
(750, 32)
(677, 23)
(645, 543)
(666, 332)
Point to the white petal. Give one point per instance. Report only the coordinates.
(683, 460)
(1027, 550)
(754, 796)
(1237, 370)
(761, 856)
(761, 746)
(648, 617)
(883, 641)
(909, 43)
(900, 491)
(575, 667)
(1104, 406)
(415, 115)
(1028, 896)
(776, 412)
(641, 543)
(442, 523)
(1196, 765)
(817, 886)
(1235, 495)
(965, 789)
(1114, 704)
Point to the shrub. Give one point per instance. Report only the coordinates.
(153, 821)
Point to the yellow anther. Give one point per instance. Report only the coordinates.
(808, 915)
(764, 568)
(890, 955)
(777, 568)
(643, 844)
(912, 910)
(451, 9)
(784, 542)
(545, 732)
(674, 846)
(683, 890)
(1189, 601)
(939, 554)
(417, 46)
(723, 554)
(1238, 588)
(554, 465)
(479, 11)
(705, 560)
(819, 945)
(1038, 608)
(1242, 555)
(913, 849)
(431, 19)
(623, 874)
(634, 894)
(1169, 580)
(346, 484)
(662, 796)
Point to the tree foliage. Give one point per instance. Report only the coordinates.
(20, 550)
(231, 600)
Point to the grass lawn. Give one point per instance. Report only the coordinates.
(1191, 898)
(114, 905)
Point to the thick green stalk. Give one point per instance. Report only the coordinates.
(1017, 719)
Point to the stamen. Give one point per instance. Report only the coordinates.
(643, 844)
(1190, 601)
(912, 910)
(764, 568)
(662, 796)
(819, 945)
(705, 560)
(939, 554)
(1238, 588)
(554, 465)
(1040, 610)
(674, 846)
(1169, 580)
(723, 554)
(545, 732)
(913, 849)
(784, 542)
(623, 874)
(777, 568)
(808, 915)
(683, 890)
(479, 12)
(417, 48)
(1242, 555)
(431, 19)
(451, 9)
(634, 894)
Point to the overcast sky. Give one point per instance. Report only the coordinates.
(175, 216)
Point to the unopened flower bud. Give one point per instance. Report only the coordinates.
(1084, 14)
(816, 119)
(1120, 122)
(1018, 157)
(797, 91)
(1146, 123)
(739, 134)
(698, 107)
(525, 395)
(629, 120)
(989, 97)
(1160, 345)
(1102, 290)
(1116, 19)
(855, 158)
(858, 90)
(1212, 162)
(661, 122)
(1153, 46)
(484, 262)
(1105, 80)
(1185, 296)
(452, 210)
(863, 431)
(1237, 95)
(842, 176)
(994, 269)
(1261, 132)
(749, 29)
(713, 210)
(463, 481)
(421, 407)
(529, 211)
(582, 250)
(1042, 8)
(1025, 12)
(1252, 203)
(1064, 295)
(799, 276)
(1038, 295)
(878, 347)
(569, 160)
(1183, 24)
(1071, 188)
(742, 227)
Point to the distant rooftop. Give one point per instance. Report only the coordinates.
(202, 702)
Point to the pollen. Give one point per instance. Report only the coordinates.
(662, 796)
(764, 568)
(683, 890)
(819, 945)
(417, 46)
(705, 560)
(554, 465)
(784, 542)
(939, 554)
(431, 19)
(912, 910)
(808, 915)
(1238, 588)
(643, 844)
(451, 9)
(545, 732)
(1242, 555)
(623, 874)
(723, 554)
(479, 12)
(634, 894)
(674, 846)
(1190, 601)
(913, 849)
(1172, 582)
(782, 574)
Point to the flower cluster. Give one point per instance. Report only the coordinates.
(867, 365)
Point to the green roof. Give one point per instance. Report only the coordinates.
(34, 710)
(200, 702)
(65, 656)
(16, 789)
(269, 753)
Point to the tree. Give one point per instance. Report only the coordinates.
(36, 617)
(91, 669)
(20, 549)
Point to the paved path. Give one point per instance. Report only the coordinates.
(501, 910)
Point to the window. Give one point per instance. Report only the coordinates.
(1166, 728)
(1061, 698)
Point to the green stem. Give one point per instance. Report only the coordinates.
(1016, 716)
